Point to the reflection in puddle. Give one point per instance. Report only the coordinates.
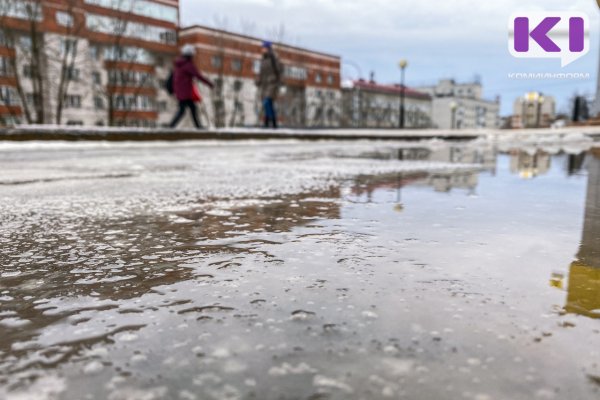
(529, 166)
(584, 275)
(321, 293)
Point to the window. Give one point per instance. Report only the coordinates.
(96, 78)
(216, 61)
(29, 10)
(72, 74)
(115, 26)
(118, 77)
(94, 52)
(168, 37)
(134, 103)
(236, 65)
(238, 85)
(256, 66)
(8, 96)
(120, 102)
(98, 103)
(27, 71)
(25, 42)
(145, 8)
(318, 78)
(72, 101)
(330, 79)
(218, 85)
(68, 46)
(128, 54)
(293, 72)
(145, 103)
(31, 99)
(8, 120)
(131, 103)
(5, 67)
(64, 19)
(4, 41)
(74, 123)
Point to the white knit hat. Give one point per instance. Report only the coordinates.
(188, 50)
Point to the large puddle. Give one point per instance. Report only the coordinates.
(300, 271)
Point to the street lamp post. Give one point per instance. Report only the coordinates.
(403, 64)
(453, 108)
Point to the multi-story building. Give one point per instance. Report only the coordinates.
(310, 96)
(86, 62)
(534, 110)
(462, 106)
(367, 104)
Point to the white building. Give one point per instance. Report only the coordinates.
(461, 106)
(533, 110)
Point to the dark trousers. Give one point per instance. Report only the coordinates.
(270, 113)
(183, 104)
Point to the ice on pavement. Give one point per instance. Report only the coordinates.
(294, 270)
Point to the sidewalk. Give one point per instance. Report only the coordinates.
(53, 132)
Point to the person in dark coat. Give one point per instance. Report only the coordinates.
(184, 73)
(268, 82)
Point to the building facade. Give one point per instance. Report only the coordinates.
(367, 104)
(86, 62)
(533, 110)
(462, 106)
(310, 96)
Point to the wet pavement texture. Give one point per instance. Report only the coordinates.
(286, 270)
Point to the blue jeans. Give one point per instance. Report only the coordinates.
(270, 113)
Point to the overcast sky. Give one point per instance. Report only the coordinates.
(441, 39)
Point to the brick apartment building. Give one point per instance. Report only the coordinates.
(86, 62)
(310, 97)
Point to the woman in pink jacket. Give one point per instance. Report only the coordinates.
(183, 85)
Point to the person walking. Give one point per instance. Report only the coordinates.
(184, 87)
(268, 82)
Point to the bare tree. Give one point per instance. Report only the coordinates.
(19, 28)
(276, 33)
(322, 111)
(38, 58)
(232, 59)
(66, 55)
(127, 81)
(217, 95)
(245, 61)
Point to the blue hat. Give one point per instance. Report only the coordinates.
(267, 44)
